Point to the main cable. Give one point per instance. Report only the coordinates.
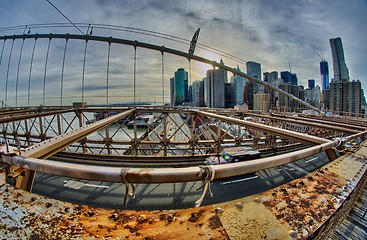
(65, 16)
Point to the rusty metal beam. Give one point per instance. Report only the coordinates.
(304, 138)
(349, 126)
(159, 175)
(33, 115)
(164, 175)
(312, 123)
(51, 146)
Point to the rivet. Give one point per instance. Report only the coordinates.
(219, 210)
(293, 234)
(114, 216)
(239, 205)
(90, 213)
(142, 218)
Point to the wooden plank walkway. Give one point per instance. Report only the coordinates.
(354, 225)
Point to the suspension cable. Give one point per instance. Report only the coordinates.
(108, 68)
(30, 71)
(134, 75)
(65, 16)
(137, 31)
(17, 81)
(83, 77)
(1, 58)
(162, 78)
(62, 71)
(2, 51)
(7, 73)
(44, 75)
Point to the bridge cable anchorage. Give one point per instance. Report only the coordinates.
(209, 171)
(124, 172)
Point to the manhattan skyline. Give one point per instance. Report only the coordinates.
(276, 35)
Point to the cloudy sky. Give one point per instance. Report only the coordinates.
(278, 34)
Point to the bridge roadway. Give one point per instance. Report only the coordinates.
(172, 195)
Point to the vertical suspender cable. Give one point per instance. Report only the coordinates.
(162, 78)
(189, 97)
(44, 74)
(17, 83)
(2, 51)
(85, 56)
(108, 68)
(62, 72)
(7, 73)
(30, 72)
(1, 58)
(134, 74)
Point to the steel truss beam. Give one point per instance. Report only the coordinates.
(57, 144)
(307, 122)
(304, 138)
(160, 175)
(49, 147)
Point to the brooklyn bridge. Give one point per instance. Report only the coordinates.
(94, 165)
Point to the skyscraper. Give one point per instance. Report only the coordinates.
(340, 68)
(311, 83)
(345, 97)
(294, 79)
(286, 76)
(239, 88)
(324, 70)
(271, 78)
(197, 93)
(214, 85)
(180, 87)
(254, 70)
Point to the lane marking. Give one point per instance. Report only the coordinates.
(239, 180)
(96, 186)
(78, 185)
(312, 159)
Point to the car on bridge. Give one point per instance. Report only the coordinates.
(234, 154)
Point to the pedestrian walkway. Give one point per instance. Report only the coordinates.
(354, 225)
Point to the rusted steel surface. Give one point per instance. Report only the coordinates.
(295, 210)
(29, 216)
(32, 114)
(292, 211)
